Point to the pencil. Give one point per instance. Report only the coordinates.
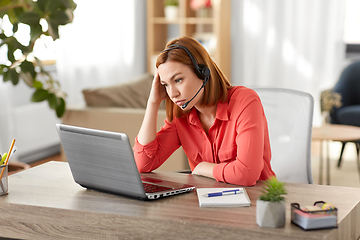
(7, 158)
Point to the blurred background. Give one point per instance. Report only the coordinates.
(296, 44)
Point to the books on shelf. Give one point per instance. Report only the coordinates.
(223, 197)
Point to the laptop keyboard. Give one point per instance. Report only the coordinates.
(151, 188)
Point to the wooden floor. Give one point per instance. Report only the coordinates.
(347, 175)
(56, 157)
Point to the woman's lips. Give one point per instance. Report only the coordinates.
(180, 103)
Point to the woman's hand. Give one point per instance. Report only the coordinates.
(204, 169)
(157, 92)
(148, 128)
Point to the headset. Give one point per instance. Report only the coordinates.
(201, 70)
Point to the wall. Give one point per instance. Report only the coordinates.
(31, 124)
(288, 44)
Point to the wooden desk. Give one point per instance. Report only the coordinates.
(333, 132)
(45, 203)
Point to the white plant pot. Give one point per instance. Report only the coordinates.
(171, 12)
(270, 214)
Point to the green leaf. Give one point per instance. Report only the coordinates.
(52, 6)
(10, 53)
(53, 101)
(19, 10)
(6, 76)
(67, 4)
(4, 3)
(38, 84)
(40, 95)
(36, 31)
(42, 5)
(2, 13)
(59, 17)
(53, 29)
(27, 66)
(13, 17)
(3, 36)
(11, 75)
(2, 68)
(60, 110)
(29, 18)
(14, 77)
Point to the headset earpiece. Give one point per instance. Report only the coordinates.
(204, 71)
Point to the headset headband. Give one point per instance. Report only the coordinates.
(201, 70)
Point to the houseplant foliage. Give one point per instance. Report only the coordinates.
(171, 3)
(328, 101)
(270, 207)
(22, 64)
(273, 191)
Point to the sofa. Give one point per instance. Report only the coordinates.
(121, 108)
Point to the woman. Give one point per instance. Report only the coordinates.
(222, 129)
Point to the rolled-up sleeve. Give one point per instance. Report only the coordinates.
(152, 155)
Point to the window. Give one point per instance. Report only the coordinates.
(352, 28)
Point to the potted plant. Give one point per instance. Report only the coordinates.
(171, 9)
(270, 207)
(42, 18)
(329, 100)
(202, 7)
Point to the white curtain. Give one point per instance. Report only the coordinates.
(6, 116)
(296, 44)
(104, 45)
(6, 105)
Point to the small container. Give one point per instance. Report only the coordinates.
(4, 180)
(314, 219)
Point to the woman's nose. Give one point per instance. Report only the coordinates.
(173, 92)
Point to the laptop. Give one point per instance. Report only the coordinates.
(104, 161)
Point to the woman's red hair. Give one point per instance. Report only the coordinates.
(216, 88)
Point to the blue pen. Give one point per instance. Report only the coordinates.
(223, 193)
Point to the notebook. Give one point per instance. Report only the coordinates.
(104, 161)
(240, 199)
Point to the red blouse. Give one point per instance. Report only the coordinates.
(238, 141)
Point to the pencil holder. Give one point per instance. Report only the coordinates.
(4, 179)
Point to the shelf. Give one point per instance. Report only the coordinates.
(191, 20)
(198, 24)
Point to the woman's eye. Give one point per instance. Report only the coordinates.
(178, 80)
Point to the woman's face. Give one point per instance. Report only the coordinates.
(180, 82)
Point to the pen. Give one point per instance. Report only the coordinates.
(5, 163)
(223, 193)
(7, 158)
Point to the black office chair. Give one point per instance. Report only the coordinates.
(348, 87)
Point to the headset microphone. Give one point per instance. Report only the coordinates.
(201, 70)
(185, 104)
